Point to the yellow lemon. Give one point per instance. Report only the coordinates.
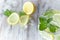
(28, 8)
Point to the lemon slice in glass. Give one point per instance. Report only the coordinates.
(47, 30)
(13, 19)
(28, 8)
(24, 20)
(57, 37)
(56, 19)
(46, 35)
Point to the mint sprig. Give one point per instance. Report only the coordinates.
(45, 22)
(8, 13)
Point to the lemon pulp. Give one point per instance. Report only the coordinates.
(13, 19)
(24, 20)
(28, 8)
(56, 19)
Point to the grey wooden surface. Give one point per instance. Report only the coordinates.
(17, 32)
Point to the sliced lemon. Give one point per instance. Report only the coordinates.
(56, 19)
(24, 20)
(28, 8)
(13, 19)
(46, 35)
(57, 37)
(47, 30)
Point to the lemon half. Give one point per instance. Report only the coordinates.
(24, 20)
(56, 19)
(28, 8)
(13, 19)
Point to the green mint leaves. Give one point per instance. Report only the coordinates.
(21, 13)
(53, 28)
(43, 19)
(49, 13)
(7, 13)
(45, 22)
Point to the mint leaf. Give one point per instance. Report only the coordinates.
(44, 23)
(49, 13)
(42, 27)
(43, 19)
(49, 20)
(7, 13)
(21, 13)
(53, 28)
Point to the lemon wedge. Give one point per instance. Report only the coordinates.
(28, 8)
(13, 19)
(24, 20)
(46, 35)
